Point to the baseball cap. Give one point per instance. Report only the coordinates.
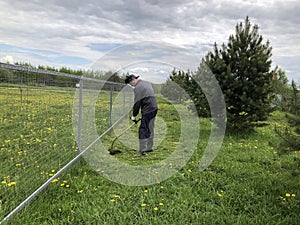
(130, 77)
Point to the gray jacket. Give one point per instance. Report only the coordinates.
(144, 98)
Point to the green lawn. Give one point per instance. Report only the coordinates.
(248, 182)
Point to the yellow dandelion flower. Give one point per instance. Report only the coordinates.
(288, 195)
(145, 191)
(112, 200)
(80, 191)
(155, 208)
(62, 184)
(189, 170)
(3, 182)
(67, 186)
(11, 184)
(161, 204)
(220, 195)
(143, 204)
(54, 181)
(293, 195)
(53, 171)
(117, 196)
(18, 164)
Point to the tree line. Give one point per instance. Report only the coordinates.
(30, 76)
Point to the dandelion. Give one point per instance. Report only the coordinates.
(288, 195)
(143, 204)
(219, 195)
(112, 200)
(145, 191)
(189, 170)
(80, 191)
(117, 196)
(11, 184)
(18, 164)
(293, 195)
(161, 204)
(155, 208)
(3, 182)
(53, 171)
(255, 146)
(54, 145)
(54, 181)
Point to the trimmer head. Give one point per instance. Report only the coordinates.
(114, 151)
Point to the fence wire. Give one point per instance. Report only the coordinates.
(41, 121)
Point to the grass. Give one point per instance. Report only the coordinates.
(248, 182)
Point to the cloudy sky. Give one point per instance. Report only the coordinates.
(141, 36)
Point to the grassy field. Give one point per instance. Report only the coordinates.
(248, 182)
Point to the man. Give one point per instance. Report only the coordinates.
(144, 99)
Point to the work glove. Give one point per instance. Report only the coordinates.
(134, 119)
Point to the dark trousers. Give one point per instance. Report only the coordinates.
(146, 131)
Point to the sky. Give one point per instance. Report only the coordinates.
(145, 37)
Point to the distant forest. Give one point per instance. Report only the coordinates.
(55, 77)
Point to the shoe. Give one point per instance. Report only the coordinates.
(150, 150)
(140, 154)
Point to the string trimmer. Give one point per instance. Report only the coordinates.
(113, 151)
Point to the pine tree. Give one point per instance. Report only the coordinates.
(243, 71)
(176, 86)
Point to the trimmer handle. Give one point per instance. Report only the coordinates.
(136, 121)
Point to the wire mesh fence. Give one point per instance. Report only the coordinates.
(42, 123)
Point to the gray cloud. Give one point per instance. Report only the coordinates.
(75, 27)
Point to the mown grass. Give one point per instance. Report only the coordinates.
(248, 183)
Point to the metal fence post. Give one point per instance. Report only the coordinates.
(111, 103)
(80, 114)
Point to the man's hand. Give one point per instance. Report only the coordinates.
(133, 118)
